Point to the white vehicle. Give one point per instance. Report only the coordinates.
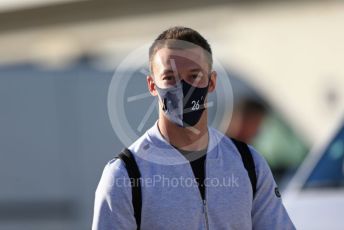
(314, 197)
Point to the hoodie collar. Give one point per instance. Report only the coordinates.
(166, 153)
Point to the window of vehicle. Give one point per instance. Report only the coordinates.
(329, 171)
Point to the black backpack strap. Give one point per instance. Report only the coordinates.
(134, 174)
(248, 163)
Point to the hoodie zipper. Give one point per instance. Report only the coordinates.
(205, 214)
(205, 208)
(203, 199)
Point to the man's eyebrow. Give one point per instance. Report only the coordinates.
(195, 70)
(170, 71)
(166, 71)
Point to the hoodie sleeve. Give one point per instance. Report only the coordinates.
(113, 207)
(268, 211)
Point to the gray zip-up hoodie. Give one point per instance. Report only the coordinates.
(171, 198)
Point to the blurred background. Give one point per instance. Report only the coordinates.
(57, 59)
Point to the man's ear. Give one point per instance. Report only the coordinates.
(212, 83)
(151, 85)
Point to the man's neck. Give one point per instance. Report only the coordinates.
(190, 138)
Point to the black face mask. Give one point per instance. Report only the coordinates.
(183, 104)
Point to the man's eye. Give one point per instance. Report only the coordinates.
(195, 76)
(168, 78)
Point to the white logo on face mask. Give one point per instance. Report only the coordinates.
(195, 105)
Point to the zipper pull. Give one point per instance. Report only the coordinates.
(204, 206)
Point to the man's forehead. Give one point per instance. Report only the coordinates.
(192, 57)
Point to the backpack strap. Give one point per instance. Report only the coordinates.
(248, 161)
(134, 175)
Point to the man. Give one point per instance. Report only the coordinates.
(181, 146)
(248, 116)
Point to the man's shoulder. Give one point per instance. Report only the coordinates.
(114, 167)
(113, 171)
(140, 143)
(261, 164)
